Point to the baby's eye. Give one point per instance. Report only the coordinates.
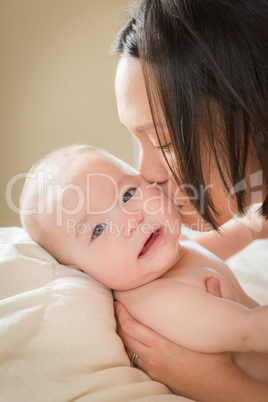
(129, 194)
(98, 230)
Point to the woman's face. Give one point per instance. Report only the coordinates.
(135, 115)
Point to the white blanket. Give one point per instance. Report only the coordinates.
(58, 338)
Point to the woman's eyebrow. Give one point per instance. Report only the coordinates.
(143, 127)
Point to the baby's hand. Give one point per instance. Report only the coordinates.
(213, 286)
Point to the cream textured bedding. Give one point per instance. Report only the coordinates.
(57, 329)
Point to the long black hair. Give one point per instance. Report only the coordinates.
(205, 64)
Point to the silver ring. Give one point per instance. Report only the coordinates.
(133, 360)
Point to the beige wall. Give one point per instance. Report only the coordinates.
(57, 84)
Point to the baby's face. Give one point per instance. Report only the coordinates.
(116, 226)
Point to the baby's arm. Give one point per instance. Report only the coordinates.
(192, 318)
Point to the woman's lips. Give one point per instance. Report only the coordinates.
(151, 243)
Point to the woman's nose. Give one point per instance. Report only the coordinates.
(152, 168)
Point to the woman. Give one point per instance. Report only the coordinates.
(192, 87)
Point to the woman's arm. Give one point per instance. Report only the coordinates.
(202, 377)
(234, 235)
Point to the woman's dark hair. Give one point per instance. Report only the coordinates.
(205, 64)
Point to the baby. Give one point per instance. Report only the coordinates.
(95, 213)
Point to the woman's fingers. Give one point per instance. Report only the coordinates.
(132, 334)
(150, 347)
(139, 339)
(131, 345)
(167, 362)
(131, 330)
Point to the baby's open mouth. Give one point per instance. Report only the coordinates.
(149, 242)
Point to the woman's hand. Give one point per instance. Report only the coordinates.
(199, 376)
(183, 371)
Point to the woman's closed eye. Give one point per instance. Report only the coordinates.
(165, 147)
(129, 194)
(98, 230)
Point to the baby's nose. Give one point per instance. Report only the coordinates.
(133, 222)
